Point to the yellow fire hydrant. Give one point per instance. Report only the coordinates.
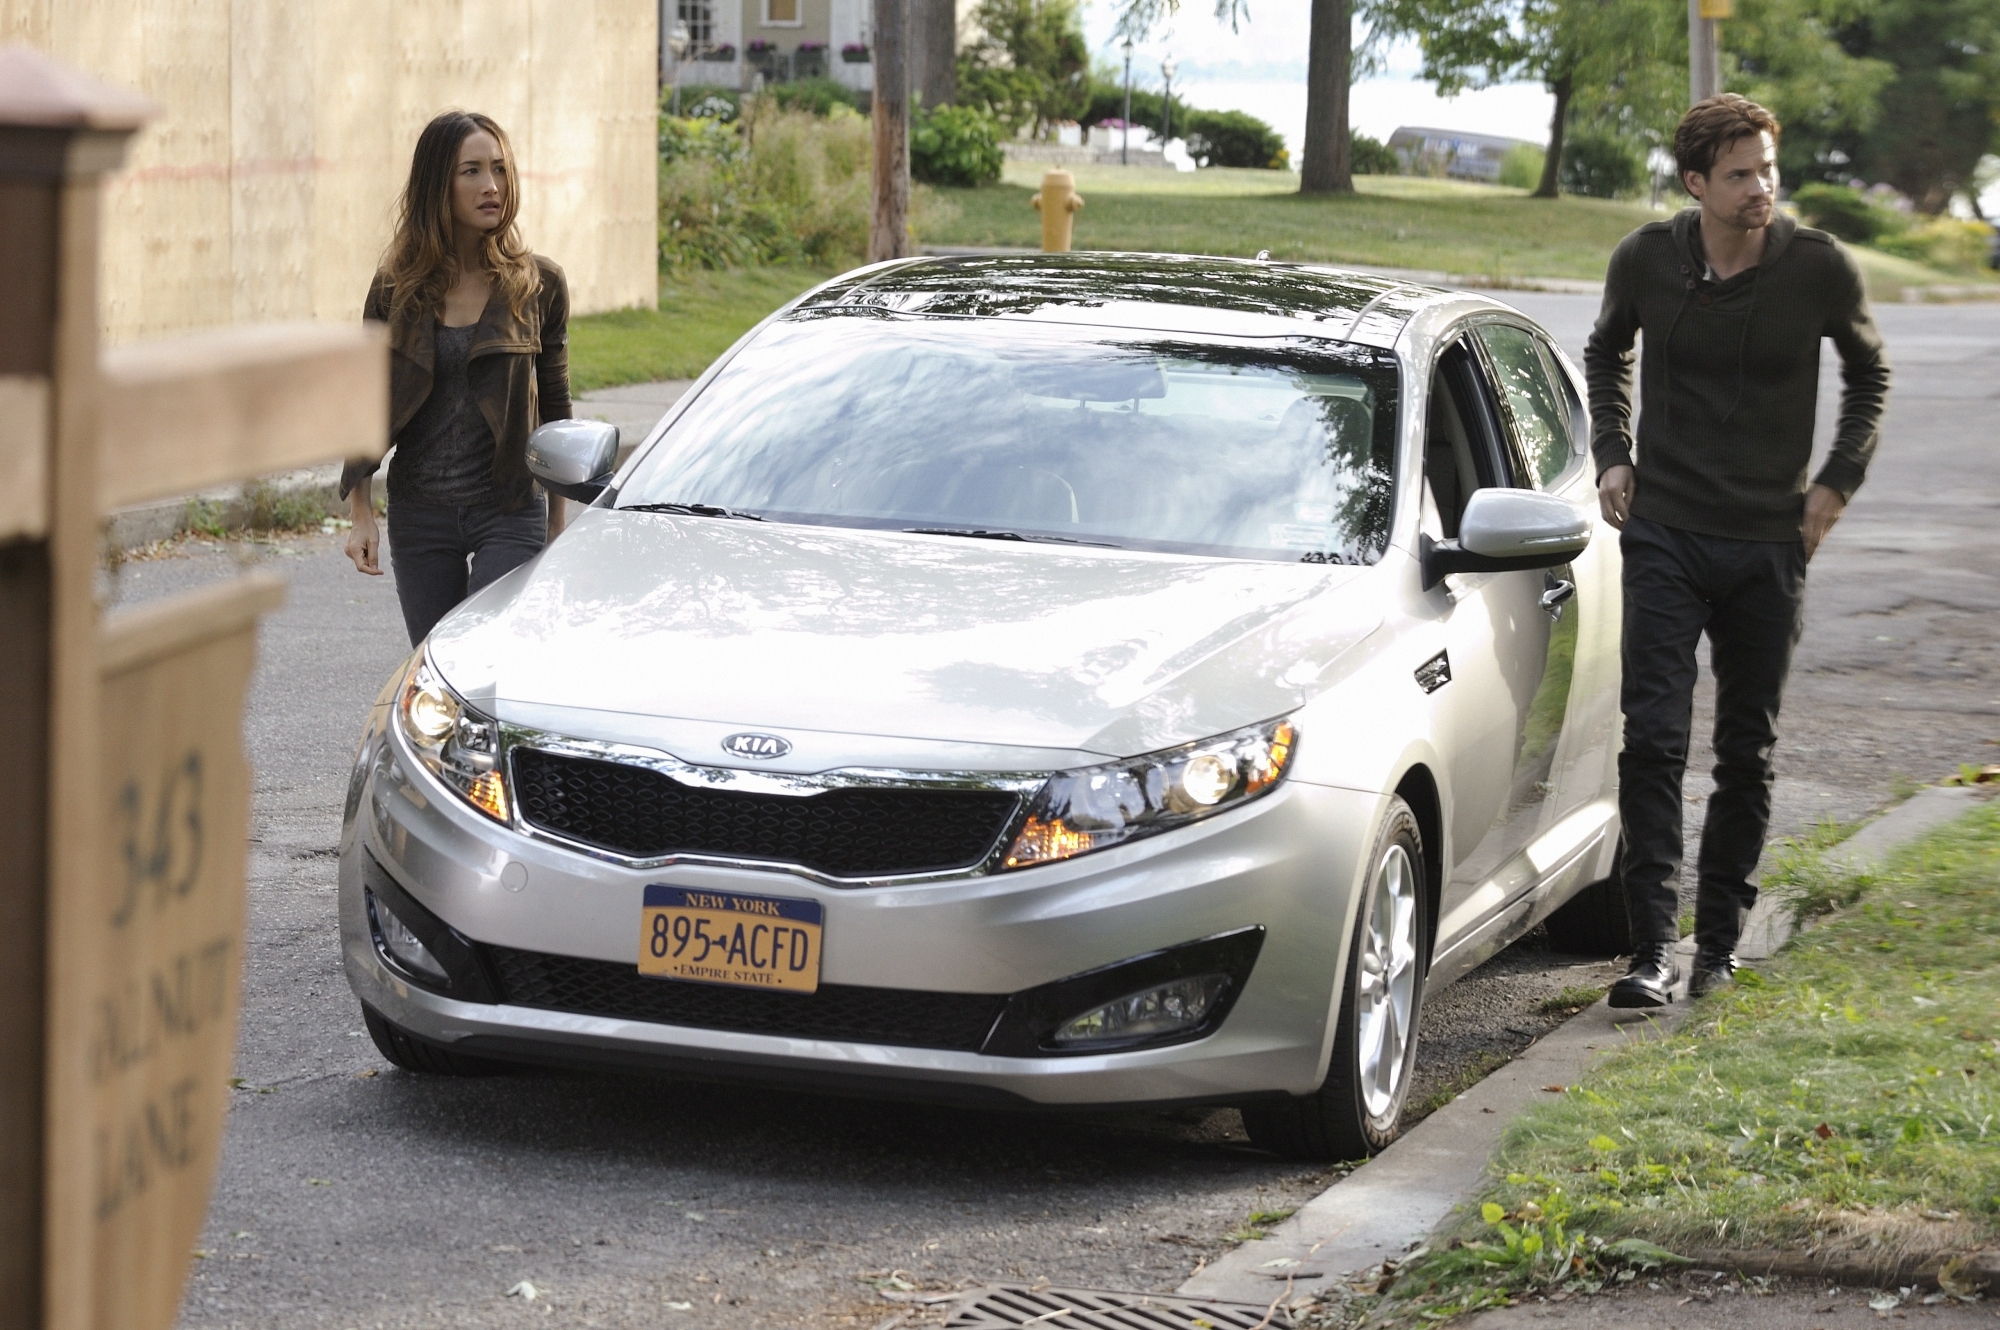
(1058, 204)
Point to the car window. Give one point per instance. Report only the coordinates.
(1093, 435)
(1579, 415)
(1537, 414)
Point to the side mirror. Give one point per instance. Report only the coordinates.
(574, 458)
(1503, 530)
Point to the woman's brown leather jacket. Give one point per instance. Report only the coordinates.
(518, 373)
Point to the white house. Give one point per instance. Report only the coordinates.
(731, 42)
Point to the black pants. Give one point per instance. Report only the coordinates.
(1749, 596)
(442, 553)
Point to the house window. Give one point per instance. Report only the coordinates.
(782, 14)
(700, 21)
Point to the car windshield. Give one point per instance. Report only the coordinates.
(1008, 429)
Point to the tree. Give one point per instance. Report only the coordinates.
(1911, 97)
(1031, 67)
(1327, 164)
(1615, 60)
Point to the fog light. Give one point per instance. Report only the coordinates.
(1162, 1009)
(403, 946)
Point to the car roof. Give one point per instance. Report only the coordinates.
(1171, 292)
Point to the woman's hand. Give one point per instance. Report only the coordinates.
(364, 541)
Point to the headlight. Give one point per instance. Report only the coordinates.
(1094, 807)
(458, 745)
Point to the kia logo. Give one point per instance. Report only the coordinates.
(757, 747)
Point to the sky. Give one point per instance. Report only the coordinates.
(1261, 68)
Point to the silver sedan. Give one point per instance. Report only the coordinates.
(1094, 679)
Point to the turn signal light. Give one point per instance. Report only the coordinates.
(488, 793)
(1042, 842)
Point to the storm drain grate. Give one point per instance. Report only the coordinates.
(1095, 1309)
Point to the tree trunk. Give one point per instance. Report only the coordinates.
(934, 51)
(1328, 164)
(1551, 184)
(889, 231)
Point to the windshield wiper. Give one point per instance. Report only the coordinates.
(691, 510)
(980, 533)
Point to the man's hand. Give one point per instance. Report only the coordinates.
(1823, 508)
(364, 542)
(1614, 495)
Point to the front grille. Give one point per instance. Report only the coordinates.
(904, 1017)
(856, 832)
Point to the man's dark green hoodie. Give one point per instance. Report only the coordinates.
(1730, 377)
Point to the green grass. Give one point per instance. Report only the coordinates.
(1572, 1000)
(1483, 231)
(1392, 221)
(1847, 1098)
(700, 315)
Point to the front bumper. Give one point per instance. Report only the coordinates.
(1289, 862)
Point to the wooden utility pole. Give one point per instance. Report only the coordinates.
(125, 796)
(889, 230)
(1328, 164)
(933, 52)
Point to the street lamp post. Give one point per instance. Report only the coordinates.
(1125, 131)
(1167, 68)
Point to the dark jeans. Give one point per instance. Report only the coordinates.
(1749, 597)
(432, 544)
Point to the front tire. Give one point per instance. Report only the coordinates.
(1355, 1111)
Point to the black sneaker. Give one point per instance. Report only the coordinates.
(1650, 982)
(1712, 974)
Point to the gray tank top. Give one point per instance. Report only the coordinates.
(445, 454)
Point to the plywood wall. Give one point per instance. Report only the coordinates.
(267, 187)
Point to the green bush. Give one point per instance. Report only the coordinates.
(1372, 156)
(817, 95)
(1601, 166)
(1031, 68)
(955, 145)
(1107, 103)
(704, 101)
(1942, 242)
(1230, 138)
(1522, 167)
(775, 186)
(1846, 212)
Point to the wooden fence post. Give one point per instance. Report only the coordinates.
(124, 799)
(59, 134)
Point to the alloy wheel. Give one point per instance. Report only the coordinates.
(1386, 995)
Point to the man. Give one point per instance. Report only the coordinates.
(1716, 519)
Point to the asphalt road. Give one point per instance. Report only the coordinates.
(353, 1195)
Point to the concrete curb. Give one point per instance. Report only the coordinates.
(1391, 1203)
(1395, 1200)
(225, 506)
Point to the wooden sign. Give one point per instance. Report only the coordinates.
(158, 967)
(121, 932)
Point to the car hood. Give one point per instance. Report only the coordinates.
(964, 641)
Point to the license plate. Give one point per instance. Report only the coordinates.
(720, 937)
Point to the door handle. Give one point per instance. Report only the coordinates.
(1556, 596)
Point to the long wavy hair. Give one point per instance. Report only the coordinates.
(422, 260)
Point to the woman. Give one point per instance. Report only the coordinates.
(478, 343)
